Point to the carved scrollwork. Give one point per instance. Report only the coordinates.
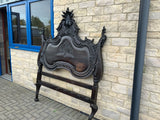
(68, 51)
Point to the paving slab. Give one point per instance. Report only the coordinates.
(17, 103)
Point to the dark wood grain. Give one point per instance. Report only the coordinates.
(68, 51)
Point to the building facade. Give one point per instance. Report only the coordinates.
(21, 25)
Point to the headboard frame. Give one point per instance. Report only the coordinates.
(67, 50)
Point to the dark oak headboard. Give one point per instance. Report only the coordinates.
(82, 58)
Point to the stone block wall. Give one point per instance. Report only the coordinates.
(120, 18)
(115, 89)
(24, 67)
(150, 98)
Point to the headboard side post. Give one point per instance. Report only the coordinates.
(93, 105)
(38, 82)
(97, 74)
(98, 71)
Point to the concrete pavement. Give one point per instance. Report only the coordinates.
(17, 103)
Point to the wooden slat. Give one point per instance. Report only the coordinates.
(68, 80)
(68, 92)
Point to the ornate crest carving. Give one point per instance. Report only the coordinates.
(68, 51)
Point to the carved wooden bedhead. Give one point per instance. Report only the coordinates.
(82, 58)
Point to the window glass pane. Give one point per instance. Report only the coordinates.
(19, 24)
(40, 20)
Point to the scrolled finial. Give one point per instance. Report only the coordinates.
(103, 30)
(67, 13)
(103, 37)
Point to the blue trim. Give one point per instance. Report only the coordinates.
(27, 25)
(9, 25)
(52, 18)
(28, 46)
(18, 46)
(17, 3)
(15, 45)
(33, 1)
(27, 49)
(3, 6)
(11, 31)
(9, 38)
(29, 39)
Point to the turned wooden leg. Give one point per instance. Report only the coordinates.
(93, 105)
(37, 92)
(94, 108)
(38, 85)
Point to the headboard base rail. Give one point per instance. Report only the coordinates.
(67, 92)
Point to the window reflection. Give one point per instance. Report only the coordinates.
(19, 24)
(40, 20)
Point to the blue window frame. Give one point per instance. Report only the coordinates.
(28, 46)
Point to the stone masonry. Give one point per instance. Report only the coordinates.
(121, 20)
(150, 98)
